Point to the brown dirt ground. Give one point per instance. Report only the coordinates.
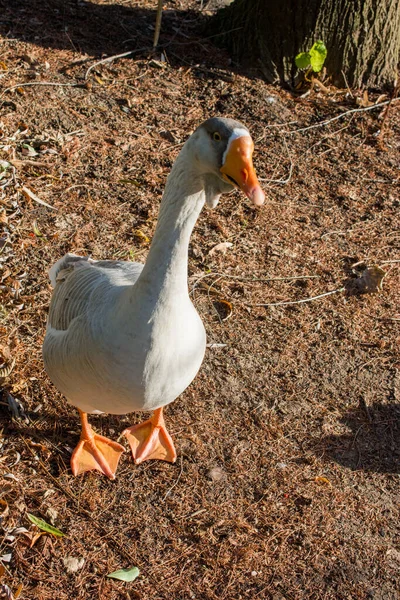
(287, 479)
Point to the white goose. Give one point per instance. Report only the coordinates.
(124, 336)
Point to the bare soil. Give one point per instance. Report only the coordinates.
(287, 479)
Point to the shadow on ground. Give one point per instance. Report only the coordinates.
(374, 442)
(94, 29)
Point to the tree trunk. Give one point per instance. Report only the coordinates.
(362, 37)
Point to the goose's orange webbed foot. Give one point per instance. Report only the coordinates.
(150, 439)
(95, 452)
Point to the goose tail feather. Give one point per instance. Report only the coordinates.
(64, 263)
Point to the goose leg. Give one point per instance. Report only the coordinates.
(150, 439)
(95, 452)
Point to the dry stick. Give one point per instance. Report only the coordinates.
(347, 85)
(111, 58)
(158, 24)
(387, 318)
(342, 289)
(20, 85)
(77, 185)
(31, 163)
(288, 178)
(249, 279)
(262, 136)
(389, 262)
(279, 125)
(348, 112)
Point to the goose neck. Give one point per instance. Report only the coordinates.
(167, 261)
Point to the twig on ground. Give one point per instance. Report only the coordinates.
(342, 289)
(280, 125)
(393, 182)
(52, 83)
(112, 58)
(31, 163)
(170, 147)
(288, 178)
(250, 279)
(347, 85)
(348, 112)
(387, 319)
(318, 83)
(72, 187)
(327, 137)
(274, 125)
(390, 262)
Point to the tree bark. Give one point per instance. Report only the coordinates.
(362, 37)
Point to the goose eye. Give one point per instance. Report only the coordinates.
(216, 136)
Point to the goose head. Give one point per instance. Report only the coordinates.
(222, 150)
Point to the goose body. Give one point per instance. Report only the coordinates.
(124, 336)
(104, 361)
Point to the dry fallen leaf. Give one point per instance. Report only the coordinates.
(323, 480)
(4, 508)
(141, 236)
(209, 288)
(369, 282)
(6, 558)
(36, 537)
(216, 474)
(393, 557)
(6, 368)
(39, 447)
(28, 150)
(364, 101)
(224, 309)
(52, 514)
(73, 564)
(130, 182)
(29, 194)
(222, 247)
(5, 592)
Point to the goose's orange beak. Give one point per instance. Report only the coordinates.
(238, 169)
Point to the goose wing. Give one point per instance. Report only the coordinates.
(75, 278)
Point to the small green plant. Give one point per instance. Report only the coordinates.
(314, 58)
(132, 254)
